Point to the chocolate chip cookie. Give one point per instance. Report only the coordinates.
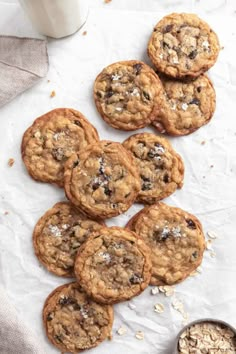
(58, 235)
(52, 138)
(183, 45)
(73, 322)
(102, 180)
(160, 168)
(175, 238)
(113, 265)
(127, 94)
(186, 105)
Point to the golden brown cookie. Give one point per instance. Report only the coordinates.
(160, 168)
(175, 238)
(183, 45)
(113, 265)
(187, 105)
(52, 138)
(127, 94)
(58, 235)
(102, 180)
(73, 322)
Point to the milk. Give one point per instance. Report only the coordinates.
(56, 18)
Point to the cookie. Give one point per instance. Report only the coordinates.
(127, 94)
(102, 180)
(113, 265)
(160, 168)
(73, 322)
(175, 238)
(186, 106)
(52, 138)
(58, 235)
(183, 45)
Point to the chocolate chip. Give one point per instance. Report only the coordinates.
(167, 29)
(126, 196)
(99, 94)
(199, 89)
(50, 316)
(137, 68)
(191, 224)
(166, 178)
(77, 122)
(165, 45)
(95, 185)
(193, 54)
(75, 163)
(195, 101)
(109, 94)
(146, 186)
(59, 338)
(67, 301)
(107, 191)
(195, 254)
(146, 95)
(135, 279)
(145, 179)
(114, 205)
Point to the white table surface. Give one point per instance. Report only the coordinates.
(115, 31)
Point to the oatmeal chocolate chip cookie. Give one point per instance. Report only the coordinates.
(102, 180)
(160, 168)
(127, 94)
(57, 236)
(52, 138)
(186, 106)
(183, 45)
(175, 238)
(113, 265)
(73, 322)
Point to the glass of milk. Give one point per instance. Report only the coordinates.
(56, 18)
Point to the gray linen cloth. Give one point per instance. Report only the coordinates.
(23, 61)
(15, 337)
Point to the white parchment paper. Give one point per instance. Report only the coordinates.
(209, 190)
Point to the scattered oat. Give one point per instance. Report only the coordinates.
(161, 56)
(212, 234)
(167, 290)
(212, 254)
(203, 142)
(121, 331)
(209, 245)
(84, 33)
(11, 162)
(205, 44)
(155, 290)
(131, 306)
(193, 274)
(53, 94)
(159, 308)
(139, 335)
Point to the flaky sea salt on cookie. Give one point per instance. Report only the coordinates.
(175, 238)
(52, 139)
(58, 235)
(113, 265)
(160, 168)
(103, 180)
(73, 322)
(183, 45)
(126, 94)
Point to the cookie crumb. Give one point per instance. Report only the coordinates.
(159, 308)
(222, 47)
(131, 306)
(6, 212)
(211, 166)
(11, 162)
(203, 142)
(139, 335)
(53, 94)
(121, 331)
(48, 80)
(84, 33)
(107, 1)
(155, 290)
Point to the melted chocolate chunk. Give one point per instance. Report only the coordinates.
(191, 224)
(67, 301)
(146, 95)
(145, 179)
(135, 279)
(59, 338)
(195, 254)
(146, 186)
(166, 178)
(199, 89)
(167, 29)
(195, 101)
(109, 94)
(137, 68)
(75, 163)
(98, 93)
(96, 185)
(77, 122)
(50, 316)
(107, 191)
(193, 54)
